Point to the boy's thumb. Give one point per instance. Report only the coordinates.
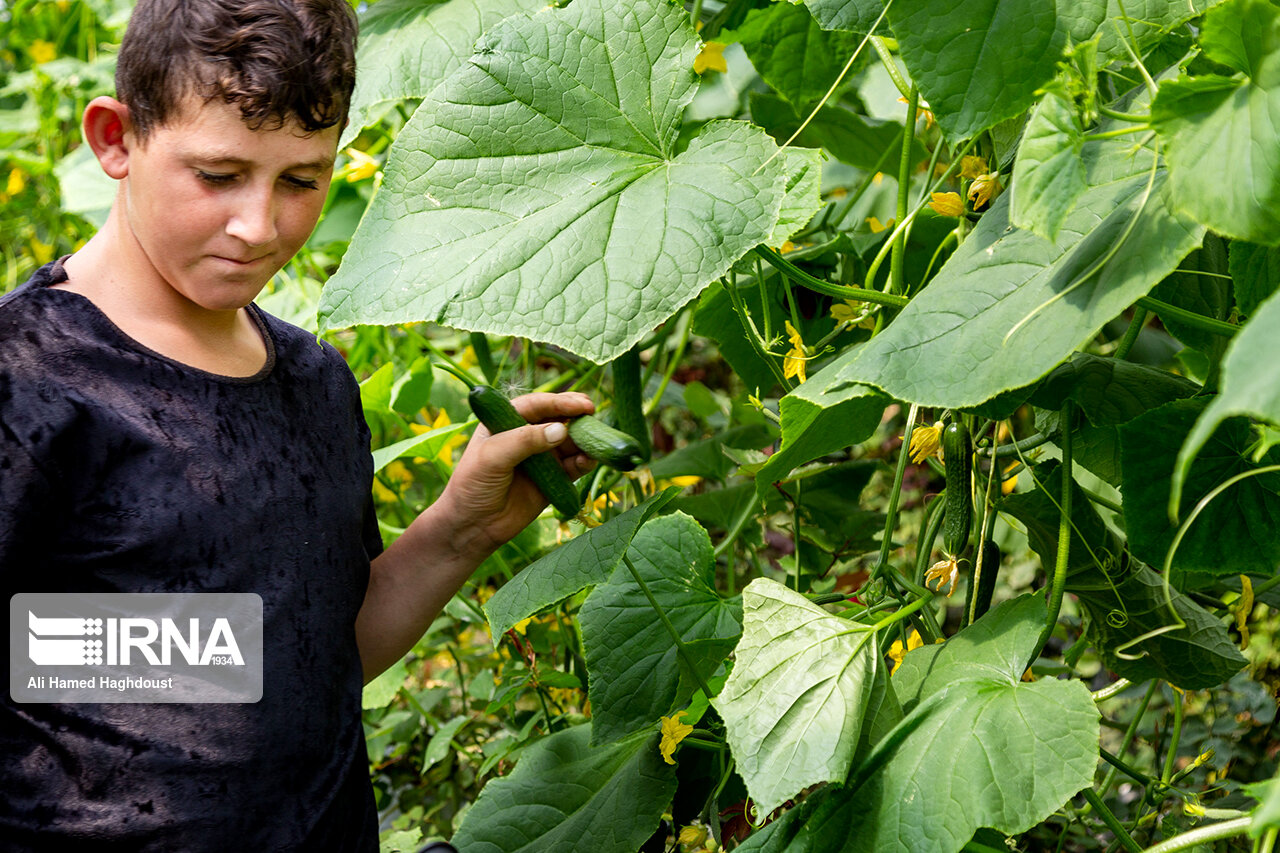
(555, 433)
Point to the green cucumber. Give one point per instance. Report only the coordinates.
(607, 445)
(957, 456)
(496, 412)
(628, 402)
(987, 580)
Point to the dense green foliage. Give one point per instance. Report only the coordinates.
(824, 228)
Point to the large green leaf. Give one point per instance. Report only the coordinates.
(581, 562)
(406, 47)
(993, 648)
(791, 52)
(985, 750)
(1123, 598)
(1009, 305)
(1222, 134)
(1255, 274)
(793, 706)
(540, 189)
(1247, 514)
(1048, 175)
(568, 795)
(815, 423)
(856, 16)
(631, 657)
(977, 62)
(1250, 386)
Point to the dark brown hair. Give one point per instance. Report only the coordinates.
(277, 60)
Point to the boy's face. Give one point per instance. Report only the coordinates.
(218, 208)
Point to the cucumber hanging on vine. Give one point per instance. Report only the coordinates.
(607, 445)
(957, 456)
(628, 401)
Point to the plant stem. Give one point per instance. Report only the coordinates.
(671, 368)
(1136, 118)
(1109, 818)
(753, 336)
(886, 59)
(1059, 580)
(1172, 755)
(1119, 765)
(891, 512)
(1131, 334)
(897, 277)
(1200, 835)
(1020, 447)
(840, 291)
(1191, 318)
(1129, 735)
(795, 534)
(671, 629)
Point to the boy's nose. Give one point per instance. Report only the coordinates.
(254, 222)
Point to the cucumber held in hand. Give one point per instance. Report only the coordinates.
(607, 445)
(496, 412)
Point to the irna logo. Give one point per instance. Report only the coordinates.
(62, 641)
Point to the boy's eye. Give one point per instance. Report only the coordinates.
(216, 179)
(301, 183)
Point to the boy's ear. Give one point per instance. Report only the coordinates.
(107, 130)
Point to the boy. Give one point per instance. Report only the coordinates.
(160, 433)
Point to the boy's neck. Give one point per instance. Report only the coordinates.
(114, 273)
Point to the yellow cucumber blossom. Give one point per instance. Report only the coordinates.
(794, 363)
(947, 204)
(925, 441)
(359, 166)
(984, 188)
(673, 731)
(710, 58)
(877, 226)
(853, 314)
(42, 51)
(1243, 608)
(943, 572)
(897, 652)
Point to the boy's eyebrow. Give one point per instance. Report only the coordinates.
(221, 158)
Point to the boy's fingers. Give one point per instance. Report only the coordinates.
(510, 448)
(542, 406)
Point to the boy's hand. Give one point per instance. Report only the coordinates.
(487, 500)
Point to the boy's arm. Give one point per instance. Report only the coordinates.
(484, 504)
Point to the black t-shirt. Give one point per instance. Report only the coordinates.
(122, 470)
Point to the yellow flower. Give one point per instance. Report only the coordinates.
(794, 363)
(925, 441)
(943, 572)
(42, 252)
(522, 626)
(673, 731)
(971, 167)
(446, 450)
(42, 51)
(947, 204)
(692, 837)
(847, 312)
(897, 652)
(984, 188)
(1243, 608)
(710, 58)
(17, 182)
(1007, 486)
(685, 480)
(359, 167)
(876, 227)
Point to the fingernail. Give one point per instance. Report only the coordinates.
(555, 433)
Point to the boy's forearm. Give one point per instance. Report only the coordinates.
(409, 584)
